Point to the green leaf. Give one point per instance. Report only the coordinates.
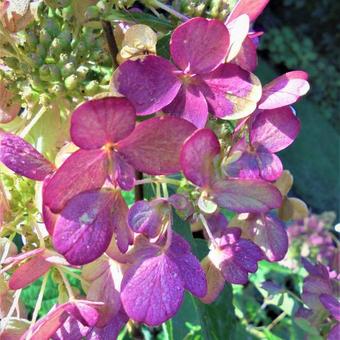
(157, 24)
(162, 47)
(168, 330)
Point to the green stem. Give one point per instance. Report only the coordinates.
(67, 284)
(166, 8)
(40, 298)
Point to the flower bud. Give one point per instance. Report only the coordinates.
(103, 6)
(44, 37)
(68, 69)
(31, 39)
(65, 38)
(71, 82)
(82, 72)
(67, 13)
(52, 27)
(41, 51)
(54, 73)
(56, 89)
(44, 72)
(92, 12)
(92, 88)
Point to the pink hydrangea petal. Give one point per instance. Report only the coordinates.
(246, 195)
(189, 104)
(72, 329)
(233, 273)
(199, 45)
(217, 223)
(275, 129)
(190, 268)
(270, 165)
(123, 233)
(147, 217)
(150, 84)
(247, 254)
(84, 227)
(29, 272)
(253, 8)
(197, 155)
(247, 56)
(332, 305)
(100, 121)
(238, 31)
(231, 92)
(84, 170)
(23, 256)
(152, 291)
(284, 90)
(106, 289)
(22, 158)
(159, 140)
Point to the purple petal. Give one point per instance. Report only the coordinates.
(123, 172)
(199, 45)
(29, 272)
(270, 165)
(246, 195)
(233, 273)
(245, 167)
(84, 170)
(284, 90)
(275, 129)
(150, 84)
(197, 155)
(123, 233)
(84, 227)
(72, 329)
(253, 8)
(217, 223)
(189, 104)
(334, 332)
(159, 141)
(148, 217)
(189, 267)
(101, 121)
(111, 331)
(332, 305)
(231, 92)
(270, 235)
(247, 254)
(22, 158)
(152, 291)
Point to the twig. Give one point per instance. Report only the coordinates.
(139, 190)
(111, 42)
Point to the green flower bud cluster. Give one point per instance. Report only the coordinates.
(64, 61)
(219, 9)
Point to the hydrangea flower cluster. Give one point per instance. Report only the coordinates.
(133, 263)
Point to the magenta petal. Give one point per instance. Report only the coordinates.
(332, 305)
(22, 158)
(231, 92)
(233, 273)
(270, 165)
(148, 217)
(246, 167)
(275, 129)
(271, 236)
(111, 330)
(159, 141)
(247, 254)
(247, 56)
(84, 227)
(29, 272)
(253, 8)
(284, 90)
(246, 195)
(199, 45)
(72, 329)
(84, 170)
(190, 268)
(197, 156)
(100, 121)
(150, 84)
(152, 291)
(123, 233)
(189, 104)
(123, 173)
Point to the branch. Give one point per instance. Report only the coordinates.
(111, 42)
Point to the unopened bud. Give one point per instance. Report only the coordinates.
(92, 88)
(71, 82)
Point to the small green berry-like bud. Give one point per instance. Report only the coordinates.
(92, 12)
(55, 73)
(41, 51)
(82, 71)
(52, 27)
(103, 6)
(68, 69)
(71, 82)
(44, 72)
(44, 37)
(56, 46)
(92, 88)
(31, 39)
(67, 13)
(63, 58)
(65, 39)
(57, 89)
